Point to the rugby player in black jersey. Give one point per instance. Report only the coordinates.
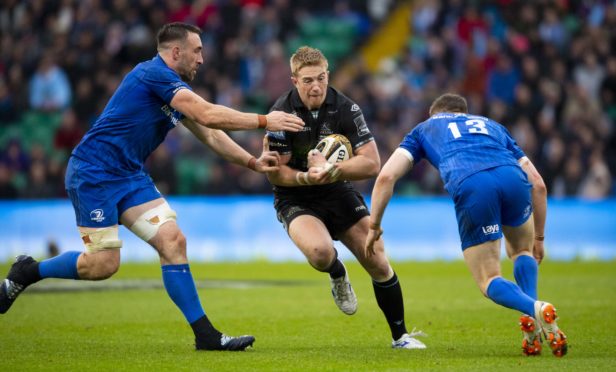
(315, 201)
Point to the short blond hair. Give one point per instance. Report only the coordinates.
(449, 102)
(307, 56)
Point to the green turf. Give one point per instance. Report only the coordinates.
(298, 327)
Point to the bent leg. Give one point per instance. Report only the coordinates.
(155, 221)
(519, 245)
(387, 289)
(377, 265)
(170, 244)
(483, 260)
(99, 261)
(94, 264)
(312, 238)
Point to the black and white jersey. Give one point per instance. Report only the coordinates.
(337, 115)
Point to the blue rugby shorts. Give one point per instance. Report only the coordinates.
(99, 197)
(487, 200)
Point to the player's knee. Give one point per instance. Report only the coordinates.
(381, 272)
(321, 259)
(99, 266)
(172, 245)
(106, 269)
(148, 224)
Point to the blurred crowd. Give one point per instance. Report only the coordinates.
(544, 69)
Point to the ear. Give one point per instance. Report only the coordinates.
(175, 53)
(294, 81)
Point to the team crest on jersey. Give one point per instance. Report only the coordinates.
(354, 108)
(325, 130)
(97, 215)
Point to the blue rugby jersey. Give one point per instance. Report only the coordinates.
(459, 145)
(135, 121)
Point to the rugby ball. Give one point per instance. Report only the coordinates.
(335, 148)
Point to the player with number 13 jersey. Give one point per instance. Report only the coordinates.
(475, 136)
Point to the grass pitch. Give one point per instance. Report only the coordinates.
(130, 324)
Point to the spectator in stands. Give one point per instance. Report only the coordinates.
(38, 186)
(69, 133)
(8, 111)
(597, 183)
(557, 47)
(49, 87)
(7, 189)
(15, 158)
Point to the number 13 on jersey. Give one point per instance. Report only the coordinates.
(475, 126)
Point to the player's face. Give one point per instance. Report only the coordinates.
(191, 57)
(311, 83)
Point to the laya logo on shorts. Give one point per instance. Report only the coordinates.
(490, 229)
(360, 208)
(97, 215)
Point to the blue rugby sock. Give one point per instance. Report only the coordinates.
(181, 288)
(525, 273)
(507, 294)
(63, 266)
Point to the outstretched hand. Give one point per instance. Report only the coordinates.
(279, 120)
(371, 238)
(269, 160)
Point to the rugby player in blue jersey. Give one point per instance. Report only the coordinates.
(107, 184)
(496, 191)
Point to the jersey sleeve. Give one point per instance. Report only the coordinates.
(512, 145)
(354, 125)
(164, 83)
(413, 144)
(278, 140)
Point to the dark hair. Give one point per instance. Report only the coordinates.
(175, 31)
(449, 102)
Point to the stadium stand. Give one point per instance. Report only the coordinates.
(545, 69)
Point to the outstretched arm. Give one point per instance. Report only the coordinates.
(224, 146)
(540, 205)
(400, 162)
(215, 116)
